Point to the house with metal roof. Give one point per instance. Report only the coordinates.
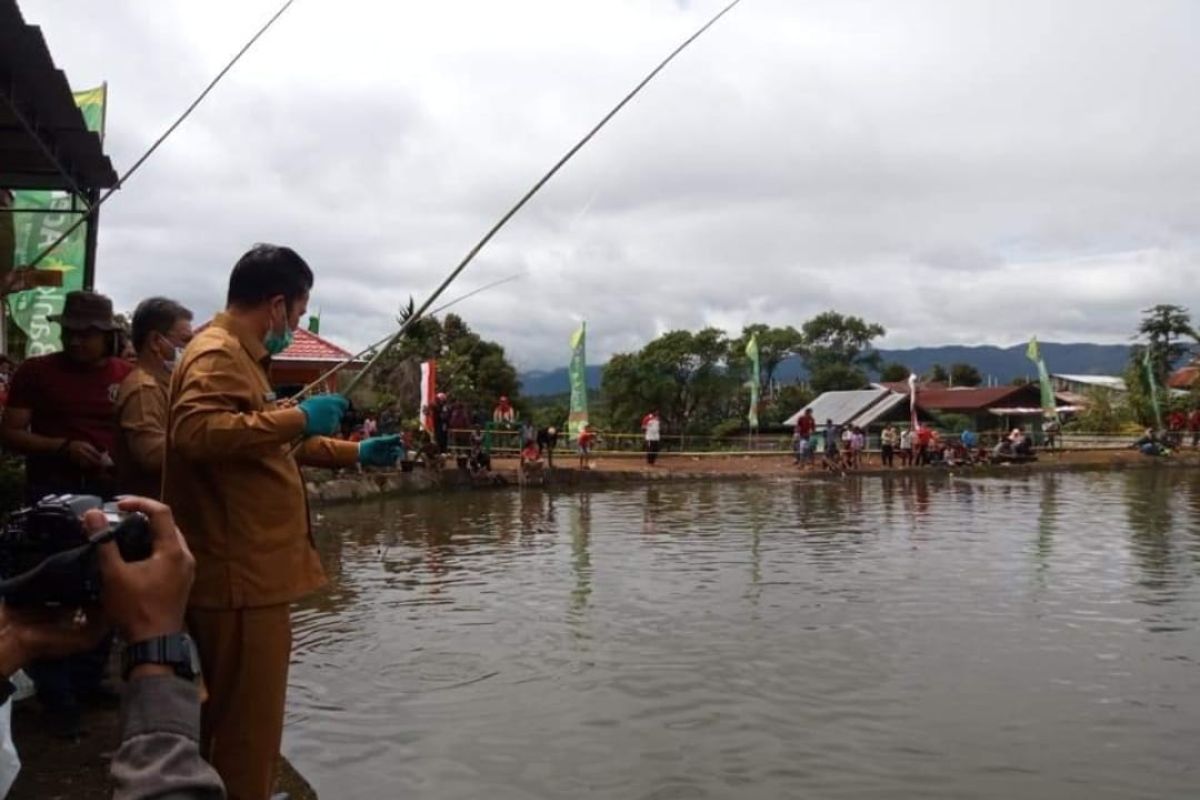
(865, 408)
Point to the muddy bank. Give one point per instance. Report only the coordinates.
(326, 487)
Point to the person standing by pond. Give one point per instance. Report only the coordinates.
(587, 438)
(887, 446)
(906, 448)
(236, 489)
(653, 429)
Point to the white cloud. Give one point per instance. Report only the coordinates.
(960, 172)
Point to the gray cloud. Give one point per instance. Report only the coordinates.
(960, 172)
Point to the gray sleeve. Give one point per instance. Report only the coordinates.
(159, 757)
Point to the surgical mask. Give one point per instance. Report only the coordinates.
(176, 354)
(276, 343)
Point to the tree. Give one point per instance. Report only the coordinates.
(894, 372)
(837, 350)
(684, 375)
(470, 368)
(1163, 327)
(775, 345)
(964, 375)
(937, 374)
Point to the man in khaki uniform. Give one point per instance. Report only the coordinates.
(161, 330)
(238, 496)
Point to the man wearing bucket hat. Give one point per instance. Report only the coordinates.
(60, 415)
(60, 406)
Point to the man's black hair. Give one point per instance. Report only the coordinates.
(156, 315)
(266, 271)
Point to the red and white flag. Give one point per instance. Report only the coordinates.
(912, 401)
(428, 393)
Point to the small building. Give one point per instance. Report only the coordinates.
(866, 408)
(991, 408)
(1083, 384)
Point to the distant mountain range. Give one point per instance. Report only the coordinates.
(1000, 363)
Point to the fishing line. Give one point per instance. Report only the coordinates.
(186, 113)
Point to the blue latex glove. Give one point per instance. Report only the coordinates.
(324, 414)
(380, 451)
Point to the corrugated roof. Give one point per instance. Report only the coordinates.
(38, 114)
(971, 400)
(881, 408)
(841, 407)
(1102, 381)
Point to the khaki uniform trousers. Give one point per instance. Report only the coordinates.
(244, 653)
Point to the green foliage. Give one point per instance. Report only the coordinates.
(955, 423)
(1103, 414)
(964, 375)
(937, 374)
(697, 381)
(894, 372)
(775, 345)
(1163, 327)
(729, 427)
(833, 377)
(470, 368)
(832, 339)
(680, 374)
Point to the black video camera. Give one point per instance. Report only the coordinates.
(48, 559)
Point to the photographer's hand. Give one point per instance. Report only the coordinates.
(31, 633)
(146, 599)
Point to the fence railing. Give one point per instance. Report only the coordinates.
(503, 442)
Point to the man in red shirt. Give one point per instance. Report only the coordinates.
(61, 416)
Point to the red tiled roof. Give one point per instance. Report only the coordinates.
(977, 399)
(307, 346)
(1184, 377)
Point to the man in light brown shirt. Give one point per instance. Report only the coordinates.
(161, 329)
(238, 495)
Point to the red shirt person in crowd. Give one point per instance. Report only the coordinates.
(805, 425)
(61, 415)
(60, 412)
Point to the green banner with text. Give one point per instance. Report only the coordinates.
(48, 216)
(578, 378)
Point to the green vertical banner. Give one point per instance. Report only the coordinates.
(578, 376)
(314, 323)
(1148, 365)
(1049, 404)
(51, 213)
(754, 378)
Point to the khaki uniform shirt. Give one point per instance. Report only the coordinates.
(142, 417)
(237, 493)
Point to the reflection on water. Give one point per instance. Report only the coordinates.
(906, 636)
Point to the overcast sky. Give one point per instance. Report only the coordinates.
(961, 172)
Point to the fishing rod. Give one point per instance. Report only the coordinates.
(370, 349)
(404, 327)
(94, 207)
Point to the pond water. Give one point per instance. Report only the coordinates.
(1032, 637)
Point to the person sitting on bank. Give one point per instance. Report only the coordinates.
(162, 328)
(1150, 444)
(60, 416)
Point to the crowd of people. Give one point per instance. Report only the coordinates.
(840, 448)
(189, 419)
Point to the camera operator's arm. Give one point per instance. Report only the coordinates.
(159, 757)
